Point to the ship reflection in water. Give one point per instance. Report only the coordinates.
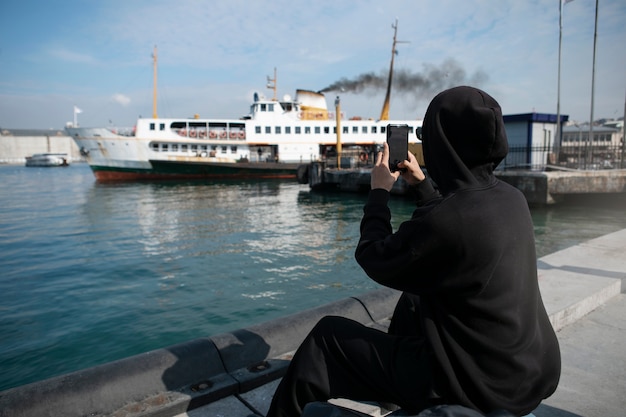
(93, 272)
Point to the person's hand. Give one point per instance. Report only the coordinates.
(381, 176)
(412, 174)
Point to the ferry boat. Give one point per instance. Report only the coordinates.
(273, 140)
(47, 160)
(270, 142)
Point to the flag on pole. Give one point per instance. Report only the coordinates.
(76, 111)
(567, 1)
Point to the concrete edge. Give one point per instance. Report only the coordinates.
(172, 380)
(578, 310)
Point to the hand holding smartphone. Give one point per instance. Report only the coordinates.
(398, 141)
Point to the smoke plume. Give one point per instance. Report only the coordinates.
(419, 85)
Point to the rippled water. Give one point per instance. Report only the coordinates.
(93, 272)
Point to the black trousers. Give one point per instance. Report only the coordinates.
(341, 358)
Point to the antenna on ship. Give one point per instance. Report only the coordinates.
(271, 84)
(154, 88)
(384, 114)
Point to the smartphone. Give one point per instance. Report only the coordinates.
(398, 141)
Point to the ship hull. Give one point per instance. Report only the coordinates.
(172, 170)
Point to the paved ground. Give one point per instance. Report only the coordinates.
(583, 289)
(593, 377)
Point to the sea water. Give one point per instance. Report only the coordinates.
(92, 272)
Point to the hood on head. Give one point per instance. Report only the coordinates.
(463, 138)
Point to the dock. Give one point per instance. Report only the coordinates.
(235, 374)
(539, 187)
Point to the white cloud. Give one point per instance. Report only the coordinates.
(211, 53)
(67, 55)
(121, 99)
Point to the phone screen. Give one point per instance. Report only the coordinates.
(398, 141)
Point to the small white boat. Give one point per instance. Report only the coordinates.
(47, 160)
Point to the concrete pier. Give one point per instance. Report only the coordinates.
(235, 374)
(17, 144)
(548, 187)
(539, 187)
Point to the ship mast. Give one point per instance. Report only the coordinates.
(271, 84)
(338, 123)
(384, 114)
(154, 87)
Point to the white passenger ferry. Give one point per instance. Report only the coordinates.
(271, 141)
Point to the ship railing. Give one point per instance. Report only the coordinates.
(218, 133)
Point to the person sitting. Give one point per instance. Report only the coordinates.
(470, 327)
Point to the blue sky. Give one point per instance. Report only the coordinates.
(213, 55)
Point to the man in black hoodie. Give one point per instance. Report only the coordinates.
(470, 328)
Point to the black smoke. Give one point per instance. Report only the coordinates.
(419, 85)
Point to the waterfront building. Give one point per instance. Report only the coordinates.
(533, 143)
(532, 140)
(603, 151)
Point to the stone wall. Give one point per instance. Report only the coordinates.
(15, 149)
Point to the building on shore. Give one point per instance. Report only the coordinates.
(603, 151)
(533, 144)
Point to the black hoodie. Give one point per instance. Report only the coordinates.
(469, 254)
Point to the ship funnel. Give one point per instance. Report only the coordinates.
(312, 104)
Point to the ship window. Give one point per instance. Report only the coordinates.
(214, 147)
(174, 147)
(277, 129)
(364, 129)
(298, 130)
(345, 129)
(263, 107)
(270, 107)
(164, 147)
(307, 129)
(223, 149)
(233, 149)
(257, 129)
(317, 130)
(155, 147)
(268, 129)
(335, 129)
(287, 129)
(183, 148)
(326, 129)
(151, 126)
(355, 129)
(194, 147)
(162, 126)
(383, 129)
(374, 129)
(203, 147)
